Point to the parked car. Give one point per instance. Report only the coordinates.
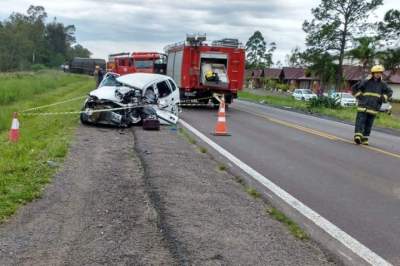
(133, 98)
(303, 94)
(386, 108)
(345, 99)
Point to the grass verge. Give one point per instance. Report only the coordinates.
(253, 192)
(26, 166)
(345, 114)
(187, 136)
(222, 167)
(292, 226)
(202, 149)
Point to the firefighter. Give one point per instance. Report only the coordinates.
(370, 93)
(98, 75)
(211, 76)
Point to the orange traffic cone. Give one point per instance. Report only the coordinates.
(221, 109)
(13, 135)
(221, 128)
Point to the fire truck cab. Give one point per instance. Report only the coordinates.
(142, 62)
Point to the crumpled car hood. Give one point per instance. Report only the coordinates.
(105, 93)
(108, 92)
(139, 80)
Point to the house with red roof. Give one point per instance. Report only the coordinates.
(393, 80)
(300, 78)
(273, 73)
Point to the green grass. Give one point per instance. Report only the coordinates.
(292, 226)
(253, 192)
(222, 167)
(273, 100)
(239, 180)
(23, 166)
(346, 114)
(202, 149)
(187, 136)
(21, 86)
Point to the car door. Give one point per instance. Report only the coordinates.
(165, 95)
(175, 92)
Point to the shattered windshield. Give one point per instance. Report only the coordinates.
(110, 81)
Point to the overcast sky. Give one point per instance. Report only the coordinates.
(137, 25)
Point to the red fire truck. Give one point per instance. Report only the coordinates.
(143, 62)
(201, 69)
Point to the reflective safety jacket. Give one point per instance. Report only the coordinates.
(371, 93)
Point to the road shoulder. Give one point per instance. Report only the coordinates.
(207, 215)
(96, 210)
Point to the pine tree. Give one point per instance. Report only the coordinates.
(257, 55)
(334, 24)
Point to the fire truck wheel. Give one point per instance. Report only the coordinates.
(215, 101)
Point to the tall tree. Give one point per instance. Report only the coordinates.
(390, 58)
(334, 24)
(15, 45)
(36, 18)
(257, 55)
(365, 51)
(389, 28)
(78, 51)
(26, 39)
(59, 37)
(322, 65)
(296, 58)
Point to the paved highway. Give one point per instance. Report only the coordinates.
(355, 187)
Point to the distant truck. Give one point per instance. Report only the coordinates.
(201, 69)
(85, 65)
(137, 62)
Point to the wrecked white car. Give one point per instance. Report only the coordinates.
(132, 99)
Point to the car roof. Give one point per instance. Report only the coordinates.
(141, 80)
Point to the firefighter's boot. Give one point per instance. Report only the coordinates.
(364, 140)
(358, 138)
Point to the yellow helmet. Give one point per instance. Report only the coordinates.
(377, 69)
(209, 74)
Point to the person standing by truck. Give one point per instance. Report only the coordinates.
(98, 75)
(370, 93)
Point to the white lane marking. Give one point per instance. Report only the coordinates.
(334, 231)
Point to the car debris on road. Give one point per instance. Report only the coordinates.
(136, 98)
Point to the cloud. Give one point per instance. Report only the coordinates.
(131, 25)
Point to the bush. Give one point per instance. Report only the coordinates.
(323, 101)
(38, 67)
(270, 84)
(282, 86)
